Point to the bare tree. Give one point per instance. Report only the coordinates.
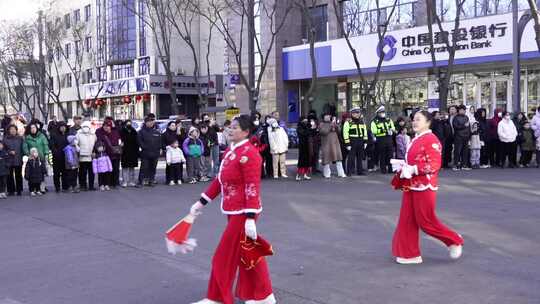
(450, 41)
(349, 28)
(305, 7)
(536, 17)
(235, 21)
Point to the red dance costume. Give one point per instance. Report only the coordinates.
(419, 197)
(238, 182)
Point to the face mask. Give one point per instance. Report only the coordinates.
(86, 129)
(275, 125)
(256, 123)
(499, 115)
(382, 115)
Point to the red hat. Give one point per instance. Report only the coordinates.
(251, 252)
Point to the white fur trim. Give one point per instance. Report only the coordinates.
(271, 299)
(174, 248)
(236, 212)
(206, 301)
(424, 188)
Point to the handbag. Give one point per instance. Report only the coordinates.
(117, 150)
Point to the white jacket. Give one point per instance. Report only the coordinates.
(175, 155)
(507, 131)
(278, 139)
(535, 124)
(86, 142)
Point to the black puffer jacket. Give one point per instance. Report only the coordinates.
(4, 159)
(35, 170)
(150, 142)
(462, 128)
(57, 144)
(15, 144)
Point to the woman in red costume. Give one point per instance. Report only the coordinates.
(417, 177)
(238, 182)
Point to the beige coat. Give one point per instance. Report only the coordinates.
(330, 147)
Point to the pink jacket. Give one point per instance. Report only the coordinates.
(102, 164)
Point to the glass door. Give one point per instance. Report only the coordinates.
(501, 93)
(486, 97)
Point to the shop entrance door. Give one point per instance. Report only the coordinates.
(491, 93)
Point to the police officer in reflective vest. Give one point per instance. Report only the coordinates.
(355, 136)
(383, 129)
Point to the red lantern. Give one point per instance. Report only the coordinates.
(138, 98)
(127, 100)
(87, 102)
(146, 97)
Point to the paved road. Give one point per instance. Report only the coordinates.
(332, 239)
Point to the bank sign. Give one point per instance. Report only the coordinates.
(479, 40)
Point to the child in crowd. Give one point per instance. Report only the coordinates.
(35, 172)
(402, 141)
(71, 153)
(175, 159)
(4, 171)
(475, 145)
(279, 145)
(193, 150)
(102, 166)
(206, 158)
(527, 144)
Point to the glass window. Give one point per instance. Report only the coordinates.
(69, 80)
(142, 30)
(87, 12)
(319, 20)
(77, 16)
(77, 48)
(102, 73)
(68, 50)
(121, 35)
(69, 110)
(67, 21)
(89, 76)
(88, 44)
(362, 17)
(122, 71)
(144, 66)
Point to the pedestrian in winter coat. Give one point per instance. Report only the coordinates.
(330, 148)
(86, 140)
(279, 145)
(206, 157)
(130, 154)
(527, 143)
(493, 142)
(462, 135)
(475, 145)
(481, 118)
(150, 143)
(402, 142)
(36, 139)
(77, 125)
(4, 159)
(57, 144)
(507, 134)
(193, 150)
(14, 147)
(175, 160)
(535, 123)
(265, 143)
(306, 130)
(71, 152)
(168, 138)
(35, 172)
(102, 166)
(213, 142)
(110, 136)
(312, 116)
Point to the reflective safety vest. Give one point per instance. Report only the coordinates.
(354, 130)
(381, 128)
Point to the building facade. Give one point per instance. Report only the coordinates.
(482, 74)
(110, 65)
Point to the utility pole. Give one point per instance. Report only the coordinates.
(251, 54)
(516, 71)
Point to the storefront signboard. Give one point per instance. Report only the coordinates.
(479, 40)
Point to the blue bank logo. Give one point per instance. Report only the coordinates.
(387, 48)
